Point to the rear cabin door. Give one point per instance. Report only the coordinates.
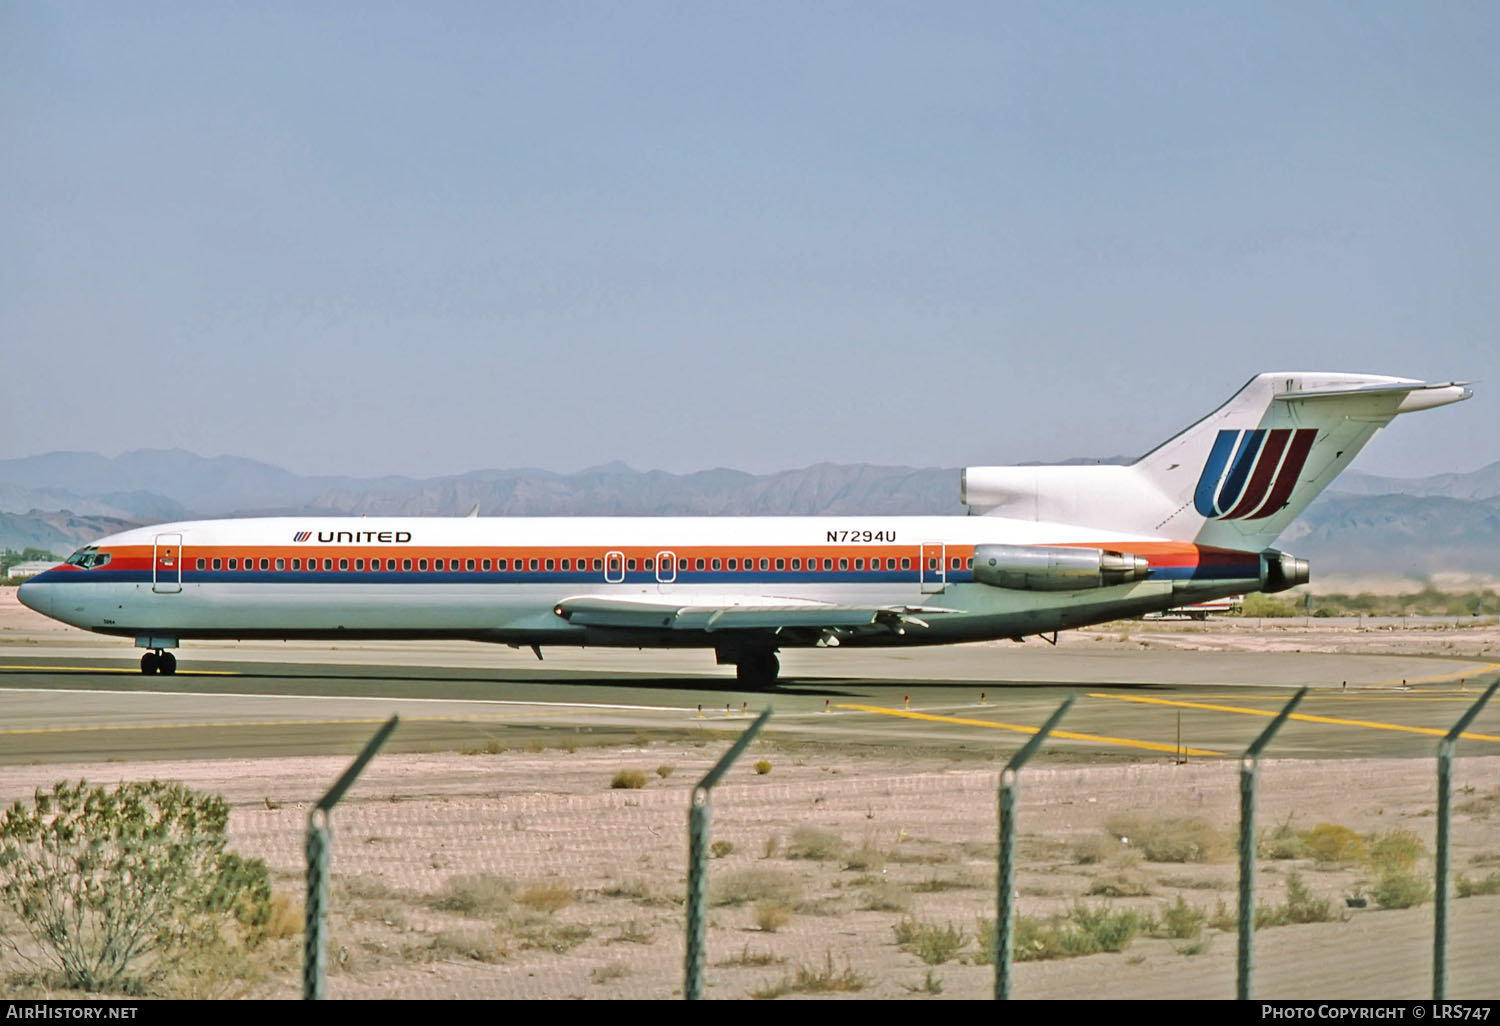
(166, 564)
(934, 572)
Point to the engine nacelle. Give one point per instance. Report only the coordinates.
(1280, 571)
(1055, 567)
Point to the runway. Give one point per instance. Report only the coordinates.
(89, 703)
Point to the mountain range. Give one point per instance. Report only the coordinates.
(1392, 527)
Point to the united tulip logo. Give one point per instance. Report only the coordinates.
(1250, 475)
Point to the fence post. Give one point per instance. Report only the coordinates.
(1247, 846)
(1446, 749)
(319, 854)
(1006, 912)
(699, 817)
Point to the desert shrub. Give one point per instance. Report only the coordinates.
(813, 980)
(1127, 883)
(1182, 921)
(474, 945)
(117, 886)
(545, 897)
(719, 849)
(771, 914)
(931, 943)
(629, 780)
(479, 894)
(1176, 839)
(1398, 889)
(1398, 850)
(635, 932)
(886, 897)
(865, 859)
(817, 845)
(762, 767)
(1092, 850)
(745, 886)
(1467, 888)
(665, 770)
(1302, 907)
(557, 938)
(1257, 604)
(1282, 843)
(1330, 843)
(1082, 931)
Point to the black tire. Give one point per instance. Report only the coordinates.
(758, 670)
(149, 663)
(167, 663)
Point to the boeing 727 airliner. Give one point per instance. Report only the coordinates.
(1057, 547)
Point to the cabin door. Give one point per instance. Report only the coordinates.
(166, 564)
(933, 569)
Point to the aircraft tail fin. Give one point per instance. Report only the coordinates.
(1236, 478)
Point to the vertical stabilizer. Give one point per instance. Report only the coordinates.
(1236, 478)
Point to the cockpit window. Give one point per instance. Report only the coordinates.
(88, 558)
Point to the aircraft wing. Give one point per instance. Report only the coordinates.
(744, 613)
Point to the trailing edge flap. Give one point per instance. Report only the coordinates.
(763, 613)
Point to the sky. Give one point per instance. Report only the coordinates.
(423, 239)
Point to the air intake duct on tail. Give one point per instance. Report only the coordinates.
(1280, 571)
(1054, 567)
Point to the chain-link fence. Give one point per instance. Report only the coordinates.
(562, 873)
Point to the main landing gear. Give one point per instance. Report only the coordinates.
(757, 670)
(159, 661)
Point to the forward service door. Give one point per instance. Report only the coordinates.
(166, 564)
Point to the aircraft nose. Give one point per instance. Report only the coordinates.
(36, 596)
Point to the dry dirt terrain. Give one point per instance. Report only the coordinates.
(526, 874)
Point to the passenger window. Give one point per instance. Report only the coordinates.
(533, 564)
(650, 564)
(906, 562)
(217, 563)
(874, 564)
(734, 564)
(374, 566)
(955, 563)
(468, 564)
(296, 564)
(265, 564)
(932, 562)
(716, 564)
(780, 564)
(234, 564)
(698, 564)
(421, 564)
(551, 564)
(797, 563)
(359, 564)
(765, 564)
(630, 564)
(484, 564)
(598, 564)
(406, 564)
(682, 564)
(501, 564)
(859, 564)
(969, 563)
(566, 564)
(343, 564)
(201, 564)
(843, 564)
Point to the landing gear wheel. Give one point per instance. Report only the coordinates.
(166, 663)
(758, 671)
(150, 663)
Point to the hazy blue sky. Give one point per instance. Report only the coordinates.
(372, 238)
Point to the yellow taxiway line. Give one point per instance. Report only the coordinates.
(1021, 729)
(1304, 717)
(118, 669)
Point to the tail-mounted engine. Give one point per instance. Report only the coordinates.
(1055, 567)
(1280, 571)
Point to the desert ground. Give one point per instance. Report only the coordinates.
(517, 873)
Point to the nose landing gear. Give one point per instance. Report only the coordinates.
(159, 661)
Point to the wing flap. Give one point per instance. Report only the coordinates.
(757, 613)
